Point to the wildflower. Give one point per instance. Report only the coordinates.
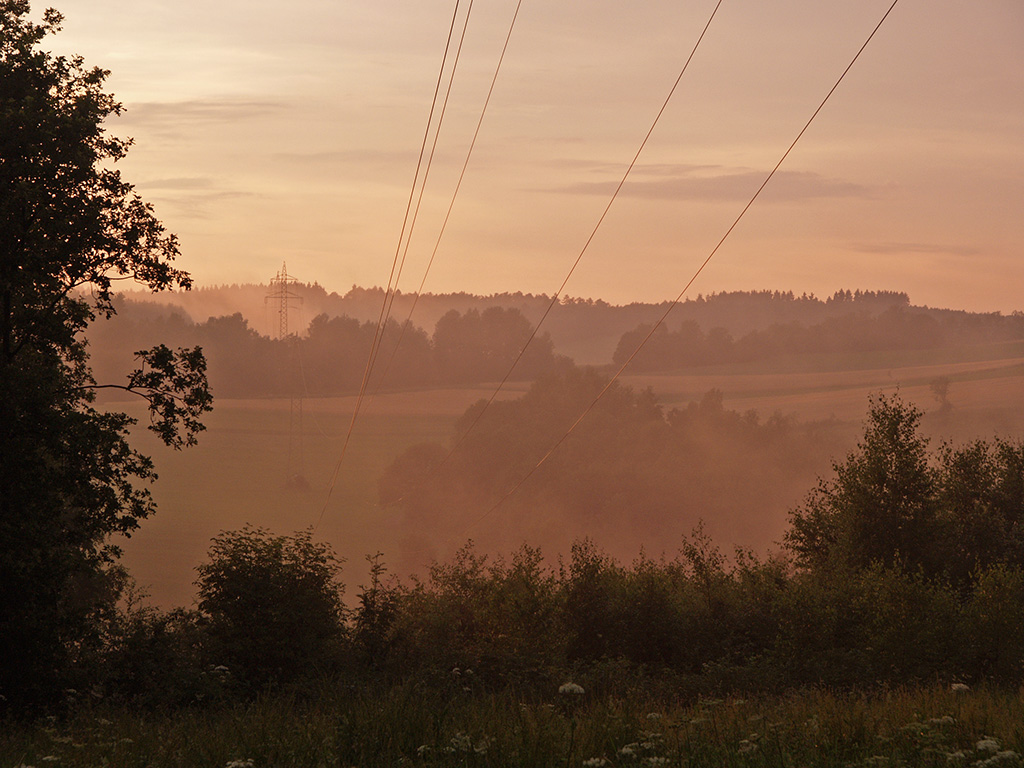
(422, 750)
(247, 763)
(628, 751)
(988, 744)
(1000, 758)
(959, 687)
(595, 762)
(570, 689)
(461, 742)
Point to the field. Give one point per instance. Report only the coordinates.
(932, 726)
(238, 474)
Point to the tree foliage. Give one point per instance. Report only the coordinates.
(947, 514)
(273, 604)
(69, 228)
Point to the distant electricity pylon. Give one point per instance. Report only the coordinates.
(281, 292)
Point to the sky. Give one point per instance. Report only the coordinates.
(269, 133)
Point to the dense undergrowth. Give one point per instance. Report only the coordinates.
(412, 726)
(900, 590)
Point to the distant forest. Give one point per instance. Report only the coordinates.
(477, 338)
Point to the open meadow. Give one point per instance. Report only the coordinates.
(238, 474)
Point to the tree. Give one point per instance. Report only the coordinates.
(273, 604)
(881, 506)
(69, 228)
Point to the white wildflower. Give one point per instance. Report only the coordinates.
(461, 742)
(1003, 757)
(988, 744)
(570, 689)
(628, 751)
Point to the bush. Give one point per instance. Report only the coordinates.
(273, 605)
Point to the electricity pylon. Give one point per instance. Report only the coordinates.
(281, 292)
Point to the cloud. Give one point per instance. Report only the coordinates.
(928, 249)
(199, 110)
(196, 206)
(191, 182)
(715, 183)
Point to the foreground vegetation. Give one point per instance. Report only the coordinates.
(408, 725)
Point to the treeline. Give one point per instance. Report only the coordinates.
(330, 358)
(898, 328)
(588, 330)
(631, 472)
(906, 566)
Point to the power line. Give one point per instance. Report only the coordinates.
(455, 193)
(406, 222)
(555, 297)
(696, 274)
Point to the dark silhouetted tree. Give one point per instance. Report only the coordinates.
(881, 505)
(273, 604)
(69, 227)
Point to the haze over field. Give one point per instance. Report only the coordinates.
(266, 135)
(727, 420)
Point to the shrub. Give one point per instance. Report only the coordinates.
(273, 605)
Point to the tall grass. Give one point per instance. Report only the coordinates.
(406, 725)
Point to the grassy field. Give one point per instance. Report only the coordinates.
(932, 726)
(238, 474)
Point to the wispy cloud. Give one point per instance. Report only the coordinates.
(200, 110)
(197, 206)
(928, 249)
(709, 182)
(189, 182)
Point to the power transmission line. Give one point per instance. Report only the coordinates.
(555, 297)
(409, 223)
(455, 193)
(693, 278)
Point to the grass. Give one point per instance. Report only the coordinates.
(934, 726)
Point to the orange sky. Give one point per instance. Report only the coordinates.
(268, 132)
